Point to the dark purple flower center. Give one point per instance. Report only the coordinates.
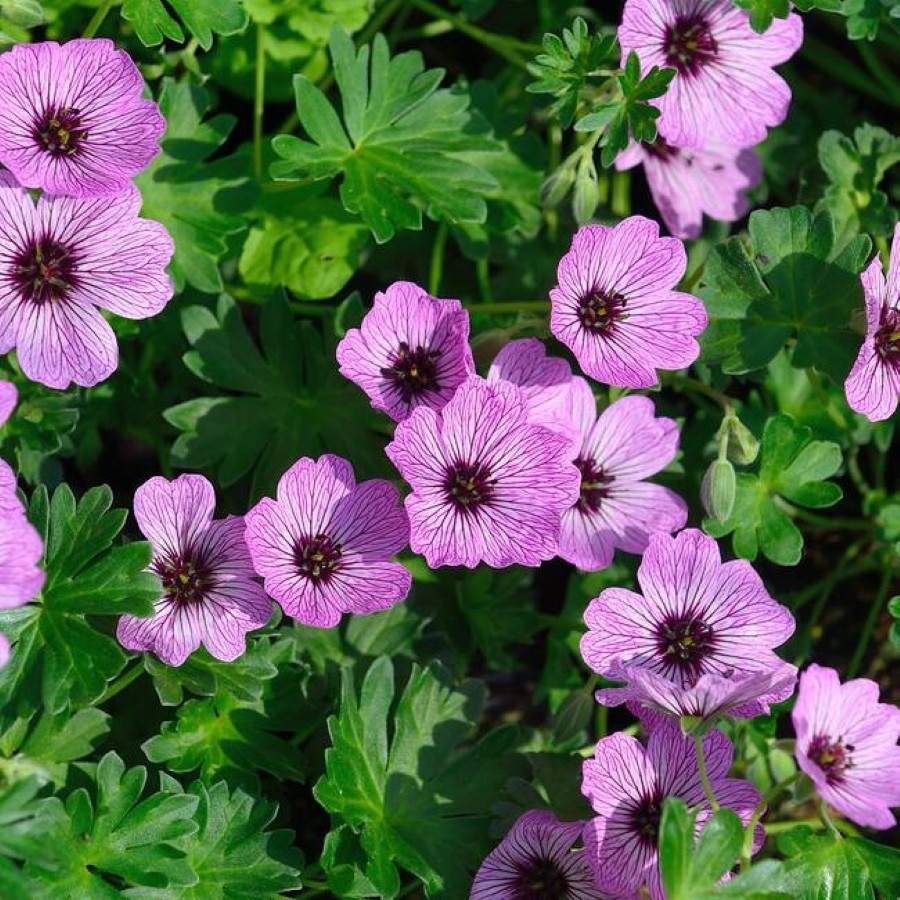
(469, 486)
(832, 757)
(684, 643)
(600, 310)
(44, 271)
(317, 558)
(185, 578)
(887, 337)
(60, 131)
(689, 44)
(645, 818)
(540, 879)
(413, 371)
(594, 485)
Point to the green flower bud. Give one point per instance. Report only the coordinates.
(718, 490)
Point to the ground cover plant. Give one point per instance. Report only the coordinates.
(449, 449)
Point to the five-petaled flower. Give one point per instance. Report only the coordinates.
(324, 546)
(847, 745)
(488, 485)
(411, 350)
(535, 861)
(209, 595)
(700, 637)
(72, 118)
(616, 307)
(873, 385)
(724, 89)
(59, 261)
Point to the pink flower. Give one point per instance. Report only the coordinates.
(488, 486)
(724, 89)
(627, 786)
(697, 617)
(72, 119)
(686, 183)
(209, 596)
(324, 547)
(873, 385)
(535, 861)
(62, 259)
(411, 350)
(616, 308)
(847, 745)
(616, 507)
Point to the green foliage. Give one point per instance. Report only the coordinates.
(20, 838)
(793, 467)
(60, 659)
(186, 193)
(153, 22)
(16, 17)
(399, 145)
(402, 789)
(565, 68)
(894, 610)
(287, 401)
(791, 281)
(762, 12)
(630, 116)
(855, 168)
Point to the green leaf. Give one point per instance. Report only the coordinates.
(202, 18)
(16, 17)
(792, 466)
(792, 280)
(398, 147)
(285, 404)
(762, 12)
(188, 195)
(397, 775)
(59, 659)
(115, 839)
(232, 854)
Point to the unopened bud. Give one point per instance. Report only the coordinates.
(718, 490)
(555, 188)
(743, 447)
(586, 198)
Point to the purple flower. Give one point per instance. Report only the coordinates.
(325, 545)
(616, 507)
(724, 89)
(847, 745)
(72, 120)
(209, 595)
(686, 183)
(488, 486)
(62, 259)
(873, 385)
(411, 350)
(696, 617)
(9, 396)
(627, 786)
(535, 861)
(616, 308)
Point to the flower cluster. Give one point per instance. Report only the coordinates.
(723, 97)
(73, 124)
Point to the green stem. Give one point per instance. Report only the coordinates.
(436, 267)
(694, 385)
(836, 575)
(747, 846)
(317, 310)
(820, 54)
(804, 515)
(704, 775)
(881, 72)
(871, 620)
(121, 683)
(823, 815)
(511, 308)
(621, 193)
(259, 101)
(483, 275)
(97, 19)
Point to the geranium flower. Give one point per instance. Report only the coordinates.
(324, 547)
(59, 261)
(72, 118)
(697, 617)
(847, 745)
(488, 486)
(615, 506)
(686, 183)
(724, 89)
(873, 385)
(627, 786)
(616, 308)
(411, 350)
(209, 596)
(535, 861)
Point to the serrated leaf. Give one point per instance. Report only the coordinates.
(153, 22)
(762, 12)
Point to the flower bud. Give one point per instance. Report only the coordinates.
(555, 188)
(587, 193)
(743, 447)
(718, 490)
